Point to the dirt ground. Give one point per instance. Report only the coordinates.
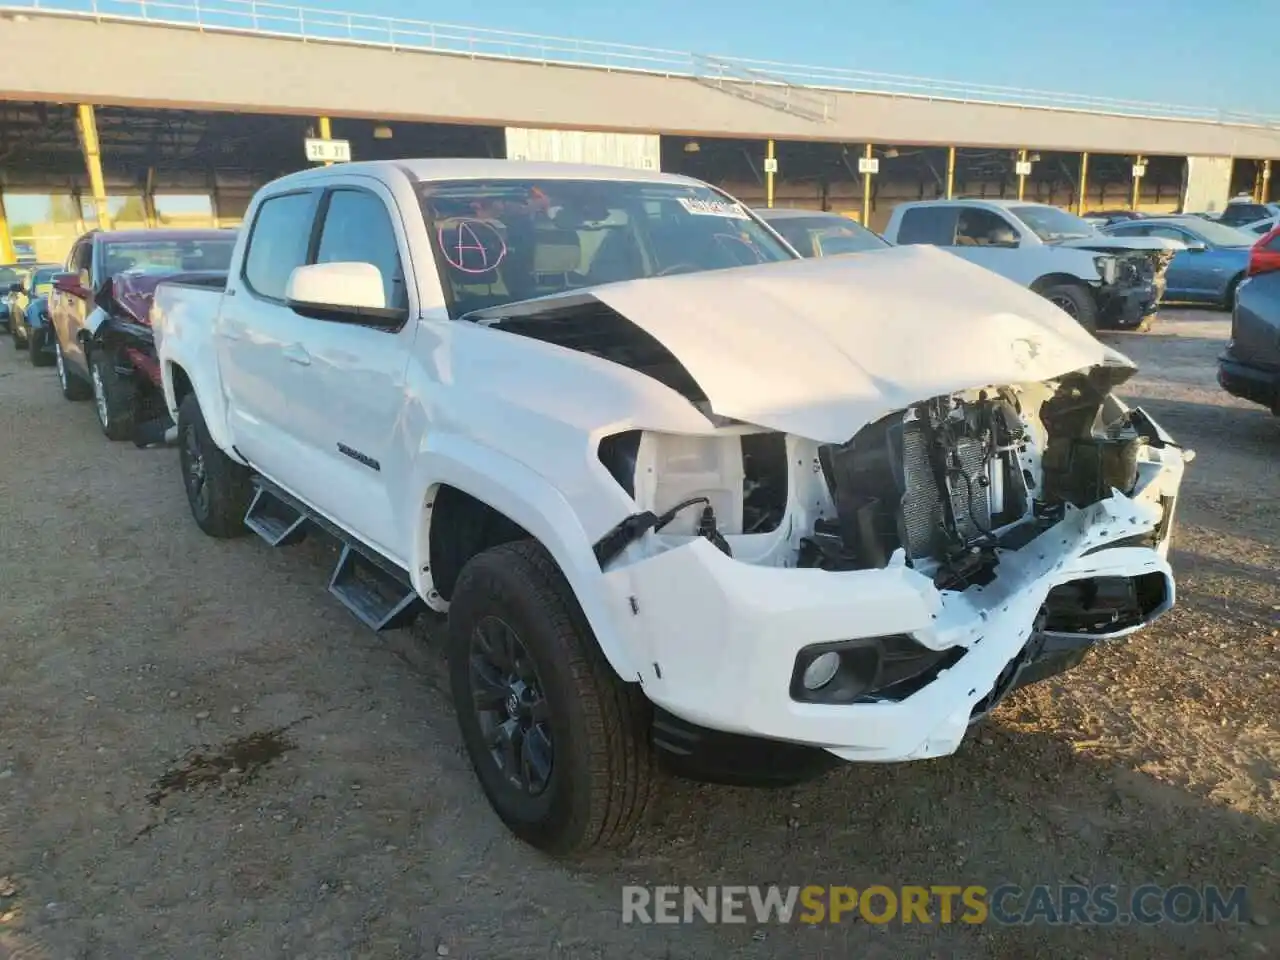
(352, 825)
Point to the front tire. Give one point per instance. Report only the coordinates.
(218, 489)
(1076, 301)
(114, 397)
(559, 743)
(73, 388)
(35, 348)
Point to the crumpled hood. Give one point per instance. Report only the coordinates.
(1104, 241)
(132, 292)
(821, 347)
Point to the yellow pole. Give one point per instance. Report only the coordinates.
(88, 124)
(326, 133)
(7, 254)
(1022, 177)
(1084, 183)
(1266, 184)
(951, 172)
(149, 199)
(1137, 185)
(768, 174)
(869, 153)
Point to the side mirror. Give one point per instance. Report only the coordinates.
(1197, 246)
(342, 292)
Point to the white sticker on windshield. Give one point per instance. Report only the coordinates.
(714, 208)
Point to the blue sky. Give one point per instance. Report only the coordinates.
(1217, 54)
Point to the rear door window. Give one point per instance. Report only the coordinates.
(278, 243)
(933, 225)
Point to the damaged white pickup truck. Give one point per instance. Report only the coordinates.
(681, 493)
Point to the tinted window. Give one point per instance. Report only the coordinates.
(1169, 233)
(1237, 213)
(827, 236)
(935, 225)
(796, 233)
(1050, 223)
(357, 229)
(982, 228)
(278, 244)
(80, 257)
(167, 256)
(1130, 230)
(499, 241)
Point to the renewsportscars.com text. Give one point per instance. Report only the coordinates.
(1065, 904)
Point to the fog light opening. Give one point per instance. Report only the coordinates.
(821, 671)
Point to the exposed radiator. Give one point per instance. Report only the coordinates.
(922, 513)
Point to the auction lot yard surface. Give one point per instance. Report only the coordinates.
(128, 639)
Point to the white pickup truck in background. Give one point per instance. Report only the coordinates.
(681, 493)
(1100, 280)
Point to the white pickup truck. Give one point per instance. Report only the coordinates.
(681, 493)
(1100, 280)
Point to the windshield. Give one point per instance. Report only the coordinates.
(1220, 235)
(500, 241)
(9, 276)
(167, 256)
(1050, 223)
(827, 236)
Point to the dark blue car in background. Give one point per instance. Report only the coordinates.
(1211, 266)
(28, 310)
(1250, 366)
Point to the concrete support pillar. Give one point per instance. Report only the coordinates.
(868, 153)
(1266, 182)
(7, 254)
(951, 172)
(87, 122)
(1084, 184)
(636, 151)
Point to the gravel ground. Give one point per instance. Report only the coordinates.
(331, 811)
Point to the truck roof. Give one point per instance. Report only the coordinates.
(472, 169)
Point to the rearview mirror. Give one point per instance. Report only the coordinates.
(15, 288)
(348, 292)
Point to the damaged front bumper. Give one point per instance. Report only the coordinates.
(727, 641)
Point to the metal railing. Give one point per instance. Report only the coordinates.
(315, 24)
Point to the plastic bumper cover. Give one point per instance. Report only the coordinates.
(723, 636)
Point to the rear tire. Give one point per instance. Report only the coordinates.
(531, 687)
(1076, 301)
(73, 388)
(114, 397)
(218, 489)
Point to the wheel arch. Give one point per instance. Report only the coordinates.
(179, 383)
(1045, 281)
(464, 508)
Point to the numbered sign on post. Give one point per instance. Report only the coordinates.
(328, 151)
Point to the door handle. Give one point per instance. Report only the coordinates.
(296, 353)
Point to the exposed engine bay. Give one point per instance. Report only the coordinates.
(950, 481)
